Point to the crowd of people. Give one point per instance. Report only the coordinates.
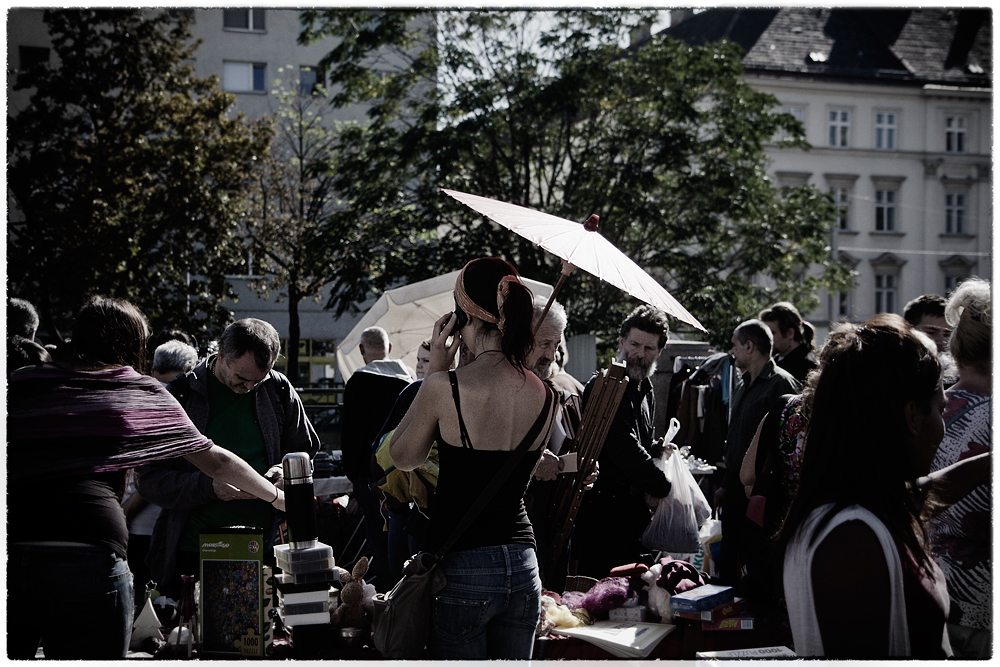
(860, 470)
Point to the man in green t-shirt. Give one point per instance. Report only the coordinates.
(238, 400)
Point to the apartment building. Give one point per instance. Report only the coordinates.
(248, 49)
(897, 104)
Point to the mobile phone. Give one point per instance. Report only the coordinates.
(461, 319)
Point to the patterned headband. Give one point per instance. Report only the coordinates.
(466, 303)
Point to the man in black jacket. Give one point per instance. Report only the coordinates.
(238, 400)
(761, 384)
(369, 396)
(613, 516)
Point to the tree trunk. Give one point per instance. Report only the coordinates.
(292, 367)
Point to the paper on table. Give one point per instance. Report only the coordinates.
(625, 639)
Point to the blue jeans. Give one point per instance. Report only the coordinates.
(490, 607)
(76, 600)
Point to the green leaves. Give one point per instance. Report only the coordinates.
(128, 174)
(664, 141)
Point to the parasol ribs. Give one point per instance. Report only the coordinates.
(602, 405)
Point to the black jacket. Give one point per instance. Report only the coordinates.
(798, 362)
(368, 400)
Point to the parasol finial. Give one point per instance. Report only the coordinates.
(591, 224)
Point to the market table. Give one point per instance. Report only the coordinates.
(681, 644)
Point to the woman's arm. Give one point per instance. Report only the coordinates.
(221, 464)
(418, 429)
(412, 440)
(947, 486)
(748, 471)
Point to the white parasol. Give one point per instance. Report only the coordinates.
(582, 246)
(408, 313)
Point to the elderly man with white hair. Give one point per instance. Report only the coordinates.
(173, 358)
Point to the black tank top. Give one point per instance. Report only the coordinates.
(83, 510)
(464, 472)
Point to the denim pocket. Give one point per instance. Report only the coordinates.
(458, 619)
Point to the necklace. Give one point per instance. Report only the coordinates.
(487, 352)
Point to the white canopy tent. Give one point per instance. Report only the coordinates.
(408, 313)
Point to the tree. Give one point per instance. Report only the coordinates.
(128, 172)
(546, 109)
(292, 198)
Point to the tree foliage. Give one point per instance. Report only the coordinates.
(664, 141)
(292, 197)
(128, 172)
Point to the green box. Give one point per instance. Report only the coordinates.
(233, 605)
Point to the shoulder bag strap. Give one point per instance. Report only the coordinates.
(500, 477)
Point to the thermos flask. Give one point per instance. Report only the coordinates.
(300, 507)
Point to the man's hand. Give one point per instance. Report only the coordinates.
(275, 475)
(549, 467)
(658, 448)
(229, 492)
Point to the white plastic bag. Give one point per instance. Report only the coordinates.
(674, 527)
(710, 531)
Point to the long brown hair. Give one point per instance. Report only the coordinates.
(856, 446)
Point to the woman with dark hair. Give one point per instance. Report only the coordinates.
(74, 428)
(479, 415)
(858, 578)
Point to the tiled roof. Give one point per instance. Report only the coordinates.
(949, 46)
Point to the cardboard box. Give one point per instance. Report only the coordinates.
(233, 609)
(731, 623)
(702, 598)
(734, 608)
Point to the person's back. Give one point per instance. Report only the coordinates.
(479, 415)
(496, 423)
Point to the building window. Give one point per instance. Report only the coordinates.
(243, 77)
(309, 78)
(842, 198)
(243, 19)
(956, 269)
(885, 211)
(843, 305)
(799, 113)
(840, 126)
(885, 131)
(885, 293)
(32, 56)
(954, 134)
(954, 213)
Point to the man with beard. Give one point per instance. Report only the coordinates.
(613, 516)
(539, 498)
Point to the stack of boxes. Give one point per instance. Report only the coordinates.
(304, 585)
